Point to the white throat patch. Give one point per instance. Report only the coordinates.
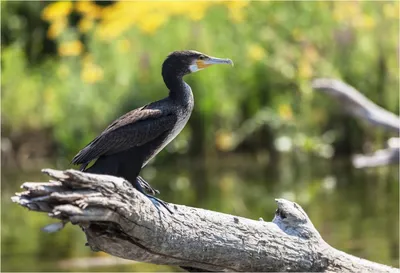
(194, 68)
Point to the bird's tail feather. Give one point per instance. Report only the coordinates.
(106, 167)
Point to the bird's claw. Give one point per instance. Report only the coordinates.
(140, 184)
(156, 202)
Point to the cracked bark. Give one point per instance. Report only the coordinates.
(119, 220)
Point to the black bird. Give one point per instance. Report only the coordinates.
(128, 143)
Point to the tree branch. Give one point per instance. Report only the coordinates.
(383, 157)
(119, 220)
(356, 104)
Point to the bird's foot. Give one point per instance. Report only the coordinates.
(146, 186)
(156, 202)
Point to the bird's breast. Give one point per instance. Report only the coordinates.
(183, 115)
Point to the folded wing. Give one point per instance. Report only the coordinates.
(132, 129)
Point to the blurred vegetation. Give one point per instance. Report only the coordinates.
(70, 68)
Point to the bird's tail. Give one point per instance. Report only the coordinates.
(101, 166)
(106, 167)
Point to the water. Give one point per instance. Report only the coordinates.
(356, 211)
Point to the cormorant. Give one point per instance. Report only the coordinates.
(128, 143)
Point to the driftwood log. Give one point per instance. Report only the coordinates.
(356, 104)
(119, 220)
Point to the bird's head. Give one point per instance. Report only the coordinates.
(188, 61)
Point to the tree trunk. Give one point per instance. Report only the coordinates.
(119, 220)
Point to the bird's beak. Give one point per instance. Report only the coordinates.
(212, 60)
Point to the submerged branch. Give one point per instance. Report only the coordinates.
(117, 219)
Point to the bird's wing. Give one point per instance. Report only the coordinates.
(132, 129)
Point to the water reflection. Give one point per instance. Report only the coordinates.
(356, 211)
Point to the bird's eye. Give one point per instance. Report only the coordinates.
(202, 57)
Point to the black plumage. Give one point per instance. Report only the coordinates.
(128, 144)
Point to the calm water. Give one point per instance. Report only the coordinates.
(356, 211)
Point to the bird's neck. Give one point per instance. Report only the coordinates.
(179, 90)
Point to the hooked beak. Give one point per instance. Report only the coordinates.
(212, 60)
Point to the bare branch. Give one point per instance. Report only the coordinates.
(119, 220)
(378, 158)
(356, 104)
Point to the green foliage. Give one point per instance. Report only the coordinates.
(277, 49)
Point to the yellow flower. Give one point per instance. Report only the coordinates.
(256, 52)
(111, 30)
(285, 112)
(115, 12)
(56, 10)
(85, 24)
(196, 13)
(236, 9)
(180, 7)
(152, 22)
(56, 28)
(72, 48)
(116, 19)
(89, 9)
(149, 16)
(91, 73)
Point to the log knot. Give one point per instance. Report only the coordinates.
(293, 220)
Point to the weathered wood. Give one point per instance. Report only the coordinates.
(119, 220)
(356, 104)
(378, 158)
